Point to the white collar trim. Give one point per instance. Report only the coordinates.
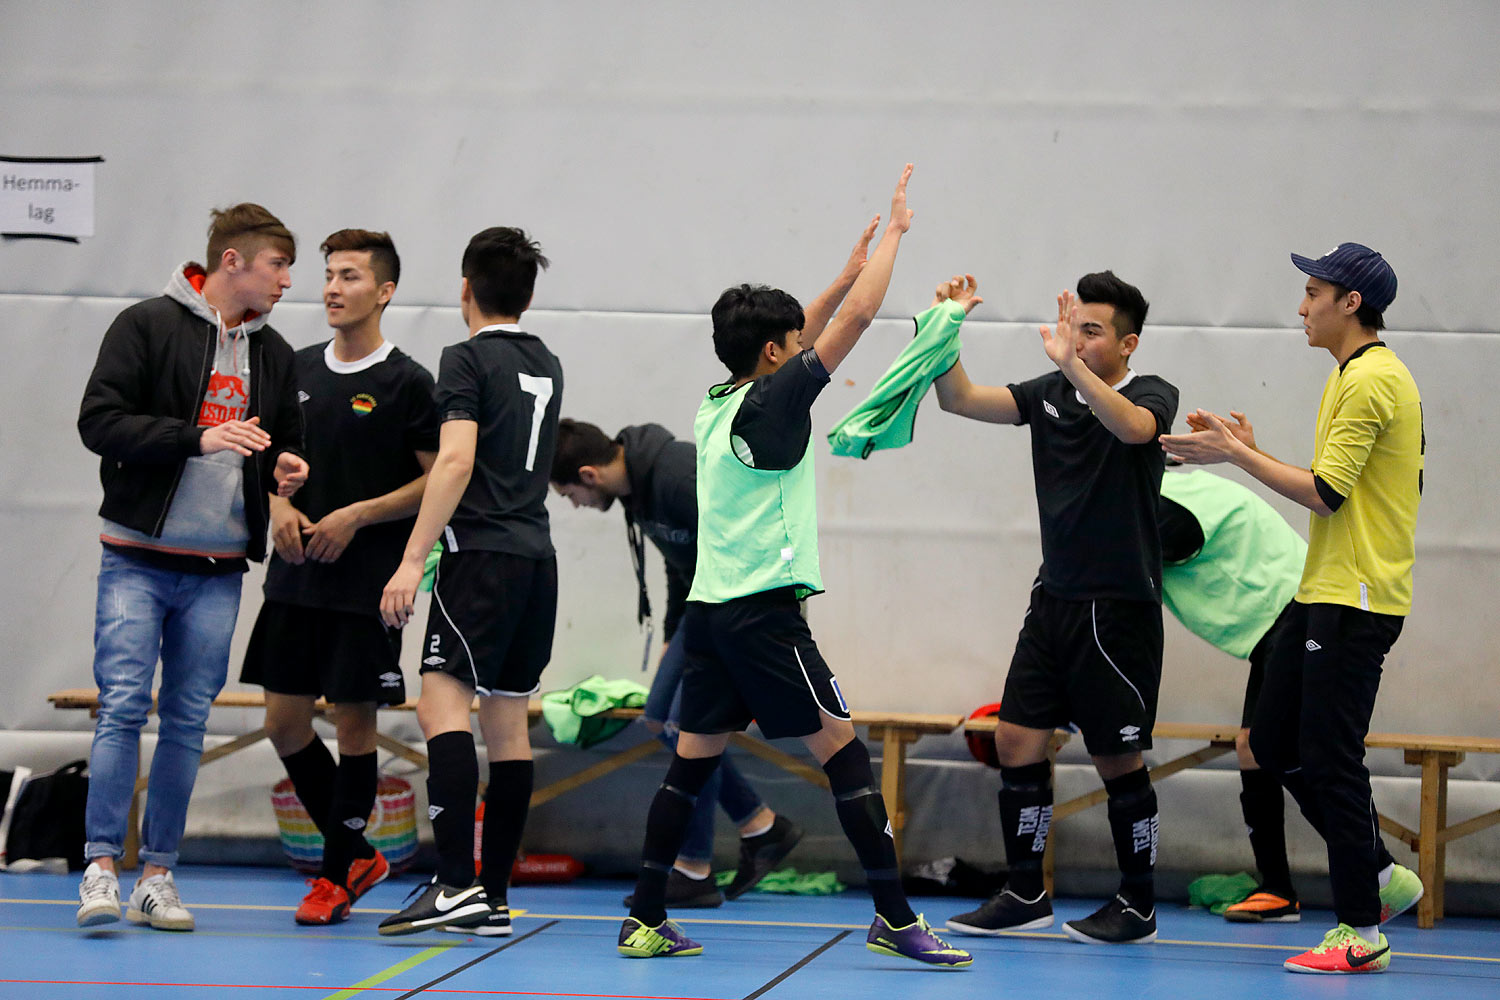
(501, 327)
(1116, 387)
(352, 367)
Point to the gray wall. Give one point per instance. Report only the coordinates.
(663, 151)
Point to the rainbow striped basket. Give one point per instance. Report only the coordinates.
(392, 827)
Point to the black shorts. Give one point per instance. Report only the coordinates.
(754, 659)
(1258, 657)
(1094, 663)
(342, 656)
(491, 621)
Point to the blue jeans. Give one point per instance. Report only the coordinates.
(727, 787)
(186, 620)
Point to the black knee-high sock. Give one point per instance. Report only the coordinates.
(506, 802)
(312, 771)
(1133, 824)
(1026, 818)
(452, 787)
(1262, 805)
(353, 801)
(862, 814)
(666, 825)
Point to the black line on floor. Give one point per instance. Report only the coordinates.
(469, 965)
(805, 959)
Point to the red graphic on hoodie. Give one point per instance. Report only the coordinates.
(225, 400)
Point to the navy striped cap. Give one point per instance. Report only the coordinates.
(1356, 267)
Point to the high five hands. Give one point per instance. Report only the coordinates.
(1062, 345)
(961, 288)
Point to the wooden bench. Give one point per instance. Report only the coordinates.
(895, 732)
(1433, 754)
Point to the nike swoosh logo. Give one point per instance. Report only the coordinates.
(1356, 961)
(444, 902)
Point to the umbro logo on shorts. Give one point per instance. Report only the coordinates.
(1312, 647)
(1051, 410)
(354, 823)
(435, 661)
(390, 679)
(433, 812)
(1130, 732)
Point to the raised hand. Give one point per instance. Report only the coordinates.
(901, 215)
(961, 288)
(861, 252)
(1062, 346)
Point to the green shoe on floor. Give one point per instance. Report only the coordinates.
(1400, 893)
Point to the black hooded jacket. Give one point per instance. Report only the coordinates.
(662, 506)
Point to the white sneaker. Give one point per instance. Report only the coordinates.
(155, 901)
(99, 896)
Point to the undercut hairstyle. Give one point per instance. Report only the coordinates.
(248, 228)
(1105, 288)
(580, 444)
(501, 264)
(746, 318)
(1366, 315)
(384, 260)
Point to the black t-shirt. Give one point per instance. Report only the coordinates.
(1181, 534)
(363, 422)
(1096, 494)
(509, 384)
(774, 424)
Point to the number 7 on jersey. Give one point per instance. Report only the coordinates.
(540, 387)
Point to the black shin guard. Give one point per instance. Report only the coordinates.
(452, 787)
(506, 801)
(1133, 824)
(312, 770)
(666, 825)
(862, 814)
(1026, 818)
(353, 801)
(1263, 806)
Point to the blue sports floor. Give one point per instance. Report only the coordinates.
(246, 946)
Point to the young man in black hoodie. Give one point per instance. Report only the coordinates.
(192, 408)
(654, 476)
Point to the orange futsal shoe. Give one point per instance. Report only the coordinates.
(365, 874)
(1264, 908)
(1342, 952)
(326, 903)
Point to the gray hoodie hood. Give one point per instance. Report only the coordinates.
(180, 290)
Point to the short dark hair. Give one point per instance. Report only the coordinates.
(745, 318)
(580, 444)
(248, 228)
(501, 264)
(1106, 288)
(384, 260)
(1367, 315)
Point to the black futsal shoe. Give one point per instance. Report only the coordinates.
(1116, 922)
(1005, 911)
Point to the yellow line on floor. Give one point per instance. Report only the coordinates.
(390, 973)
(1036, 935)
(225, 906)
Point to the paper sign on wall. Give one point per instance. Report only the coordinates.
(47, 196)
